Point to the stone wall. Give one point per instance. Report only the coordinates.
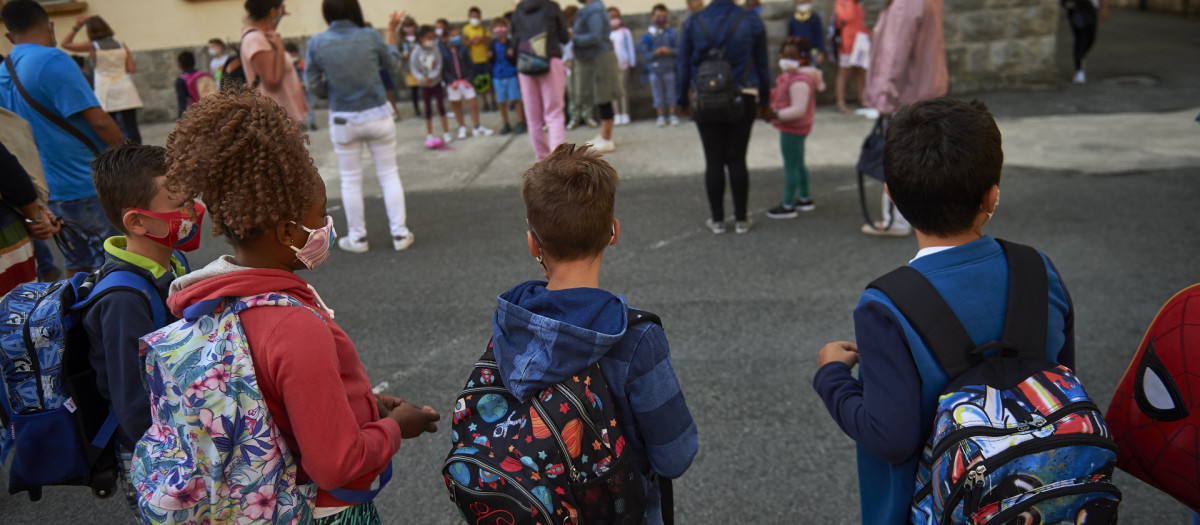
(990, 45)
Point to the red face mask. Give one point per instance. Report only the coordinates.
(183, 227)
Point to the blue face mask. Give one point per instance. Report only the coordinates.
(456, 40)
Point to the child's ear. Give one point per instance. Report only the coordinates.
(286, 234)
(616, 231)
(133, 222)
(534, 250)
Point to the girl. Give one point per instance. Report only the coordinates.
(793, 102)
(409, 28)
(854, 51)
(425, 64)
(247, 159)
(622, 41)
(113, 63)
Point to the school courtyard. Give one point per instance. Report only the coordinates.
(1104, 178)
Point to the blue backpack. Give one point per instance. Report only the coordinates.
(57, 429)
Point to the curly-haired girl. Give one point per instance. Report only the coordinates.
(247, 160)
(793, 103)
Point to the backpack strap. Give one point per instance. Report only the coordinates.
(732, 30)
(666, 493)
(363, 496)
(49, 115)
(1027, 317)
(128, 280)
(929, 315)
(637, 317)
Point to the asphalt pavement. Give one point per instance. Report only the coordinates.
(746, 314)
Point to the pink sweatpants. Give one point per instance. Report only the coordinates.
(543, 99)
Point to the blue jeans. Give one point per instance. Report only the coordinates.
(86, 216)
(45, 260)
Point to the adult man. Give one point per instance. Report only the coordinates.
(53, 80)
(908, 64)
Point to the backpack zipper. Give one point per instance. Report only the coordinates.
(511, 482)
(976, 474)
(35, 360)
(1071, 490)
(562, 445)
(1035, 422)
(571, 398)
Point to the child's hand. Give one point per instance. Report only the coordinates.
(841, 351)
(414, 421)
(387, 403)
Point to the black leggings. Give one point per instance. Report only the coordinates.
(127, 121)
(725, 147)
(606, 111)
(416, 99)
(1083, 24)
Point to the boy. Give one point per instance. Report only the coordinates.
(569, 322)
(216, 65)
(129, 182)
(658, 53)
(475, 37)
(943, 161)
(504, 75)
(191, 85)
(456, 72)
(806, 24)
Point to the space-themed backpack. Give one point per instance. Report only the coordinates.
(1153, 413)
(1015, 438)
(558, 459)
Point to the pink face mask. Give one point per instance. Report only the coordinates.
(320, 242)
(183, 227)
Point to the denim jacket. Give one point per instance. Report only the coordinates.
(747, 48)
(659, 64)
(343, 64)
(591, 31)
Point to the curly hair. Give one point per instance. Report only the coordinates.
(240, 153)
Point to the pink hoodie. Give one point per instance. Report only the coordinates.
(794, 100)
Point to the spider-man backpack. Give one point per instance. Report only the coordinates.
(1155, 411)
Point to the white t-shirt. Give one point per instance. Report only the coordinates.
(216, 64)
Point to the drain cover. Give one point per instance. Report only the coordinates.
(1131, 81)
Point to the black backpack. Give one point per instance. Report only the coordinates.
(233, 72)
(557, 458)
(718, 97)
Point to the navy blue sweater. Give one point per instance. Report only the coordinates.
(746, 51)
(889, 409)
(811, 29)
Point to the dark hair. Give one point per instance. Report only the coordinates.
(186, 60)
(97, 28)
(612, 10)
(424, 31)
(260, 9)
(941, 158)
(659, 7)
(569, 198)
(292, 48)
(500, 22)
(124, 177)
(343, 10)
(800, 43)
(218, 42)
(474, 9)
(21, 15)
(409, 21)
(443, 21)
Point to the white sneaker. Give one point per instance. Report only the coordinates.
(462, 132)
(402, 242)
(879, 229)
(353, 245)
(603, 146)
(674, 121)
(716, 226)
(743, 226)
(451, 115)
(661, 122)
(481, 131)
(1080, 77)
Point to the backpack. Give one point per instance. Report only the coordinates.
(233, 73)
(1153, 409)
(200, 84)
(1015, 438)
(57, 429)
(558, 458)
(718, 97)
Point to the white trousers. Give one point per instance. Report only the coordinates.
(379, 135)
(891, 215)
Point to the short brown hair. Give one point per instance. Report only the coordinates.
(499, 22)
(125, 177)
(97, 28)
(240, 153)
(569, 198)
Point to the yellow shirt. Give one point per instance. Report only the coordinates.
(478, 51)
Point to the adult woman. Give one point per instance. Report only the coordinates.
(725, 143)
(112, 63)
(265, 62)
(21, 218)
(539, 24)
(854, 51)
(596, 76)
(1082, 16)
(343, 65)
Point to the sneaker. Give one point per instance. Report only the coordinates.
(447, 137)
(353, 245)
(451, 115)
(462, 132)
(1080, 77)
(312, 126)
(743, 226)
(783, 211)
(879, 230)
(506, 129)
(661, 122)
(715, 226)
(521, 128)
(402, 242)
(674, 121)
(603, 146)
(572, 124)
(481, 131)
(591, 123)
(805, 204)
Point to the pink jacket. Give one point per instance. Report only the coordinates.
(794, 105)
(908, 55)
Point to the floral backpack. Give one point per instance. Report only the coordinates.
(213, 453)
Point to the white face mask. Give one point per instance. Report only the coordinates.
(803, 8)
(474, 22)
(438, 31)
(411, 38)
(787, 64)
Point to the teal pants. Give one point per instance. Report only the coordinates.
(795, 173)
(362, 514)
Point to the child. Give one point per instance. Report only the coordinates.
(475, 37)
(854, 48)
(794, 102)
(425, 64)
(456, 73)
(130, 184)
(658, 53)
(342, 435)
(622, 41)
(569, 322)
(187, 68)
(216, 50)
(409, 29)
(504, 75)
(806, 23)
(943, 160)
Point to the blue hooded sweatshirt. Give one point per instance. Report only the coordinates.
(542, 337)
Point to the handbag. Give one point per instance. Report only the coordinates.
(870, 164)
(531, 56)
